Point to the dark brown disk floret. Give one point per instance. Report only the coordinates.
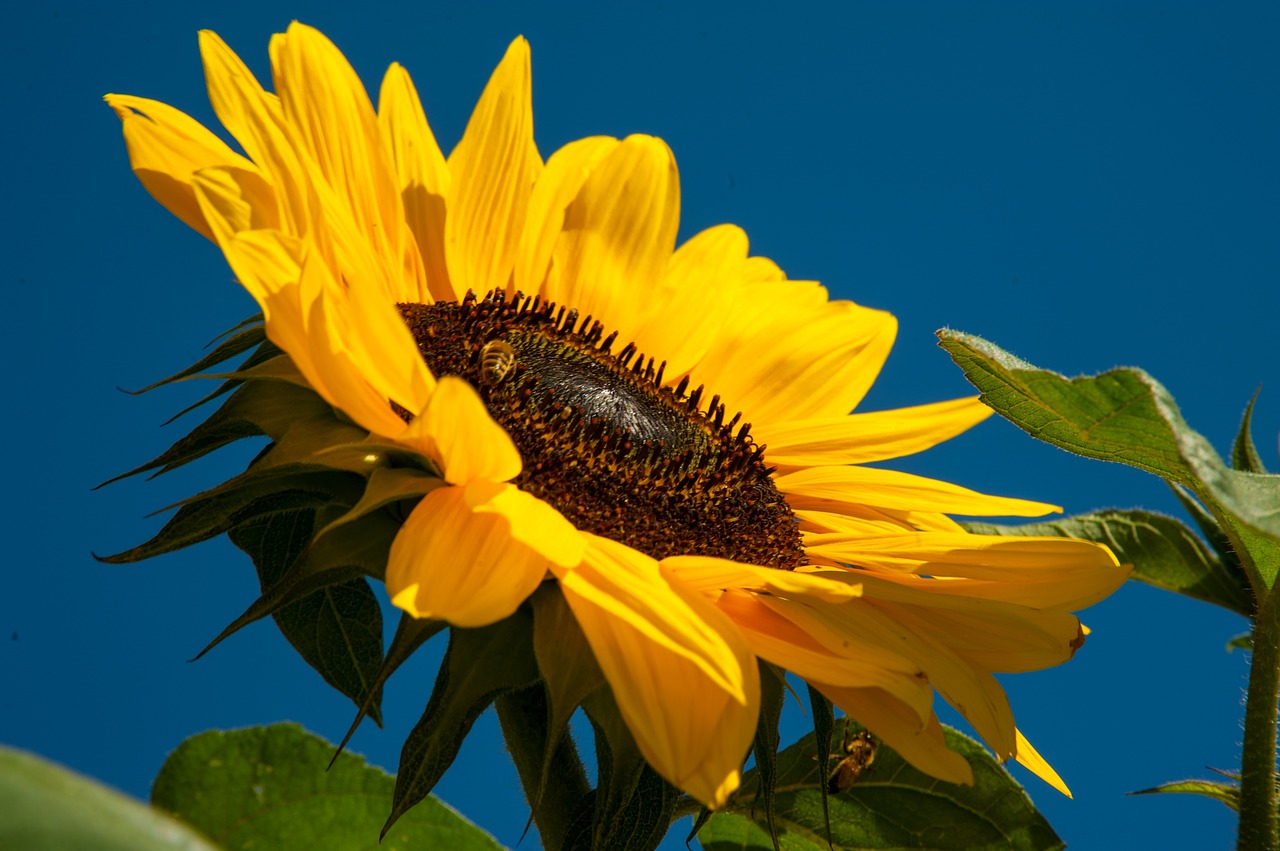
(602, 439)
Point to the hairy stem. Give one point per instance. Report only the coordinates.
(1258, 765)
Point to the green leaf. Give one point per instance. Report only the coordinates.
(1163, 552)
(358, 548)
(766, 742)
(1227, 793)
(1243, 641)
(565, 660)
(237, 341)
(1244, 455)
(892, 806)
(1126, 416)
(479, 665)
(45, 807)
(411, 633)
(337, 630)
(632, 805)
(240, 500)
(267, 788)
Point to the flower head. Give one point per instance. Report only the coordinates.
(663, 432)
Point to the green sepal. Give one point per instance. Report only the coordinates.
(539, 752)
(357, 549)
(45, 807)
(632, 806)
(1227, 793)
(227, 345)
(767, 740)
(566, 662)
(1244, 454)
(386, 485)
(1163, 552)
(994, 813)
(337, 630)
(1125, 415)
(255, 409)
(479, 665)
(268, 788)
(824, 724)
(220, 509)
(411, 633)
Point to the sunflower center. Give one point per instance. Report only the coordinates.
(616, 452)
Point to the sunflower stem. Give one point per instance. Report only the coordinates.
(1258, 829)
(523, 716)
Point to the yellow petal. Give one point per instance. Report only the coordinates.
(332, 124)
(707, 574)
(860, 438)
(423, 175)
(493, 170)
(894, 490)
(617, 236)
(1037, 765)
(809, 357)
(702, 279)
(657, 643)
(297, 297)
(255, 118)
(1046, 573)
(557, 186)
(774, 637)
(472, 555)
(456, 430)
(921, 745)
(167, 147)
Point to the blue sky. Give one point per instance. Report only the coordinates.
(1086, 184)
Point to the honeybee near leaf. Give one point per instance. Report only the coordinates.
(857, 753)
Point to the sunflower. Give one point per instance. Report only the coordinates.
(663, 432)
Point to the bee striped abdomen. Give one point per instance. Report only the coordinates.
(497, 362)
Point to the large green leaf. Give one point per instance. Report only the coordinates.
(268, 788)
(45, 807)
(1163, 552)
(1125, 415)
(891, 806)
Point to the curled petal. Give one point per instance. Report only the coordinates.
(654, 640)
(457, 431)
(922, 745)
(472, 555)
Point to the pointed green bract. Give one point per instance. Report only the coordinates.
(479, 665)
(268, 787)
(46, 806)
(1163, 552)
(1227, 793)
(337, 630)
(1244, 455)
(767, 740)
(1126, 416)
(994, 813)
(632, 806)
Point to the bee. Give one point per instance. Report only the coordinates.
(497, 361)
(858, 752)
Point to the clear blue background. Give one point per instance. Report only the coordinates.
(1087, 184)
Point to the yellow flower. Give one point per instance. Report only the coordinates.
(684, 550)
